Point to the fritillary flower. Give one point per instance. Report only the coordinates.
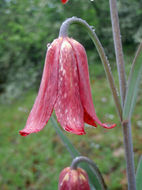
(65, 87)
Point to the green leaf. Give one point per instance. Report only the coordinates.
(72, 150)
(133, 84)
(139, 175)
(94, 181)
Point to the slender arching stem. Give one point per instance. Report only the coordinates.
(91, 32)
(126, 126)
(80, 159)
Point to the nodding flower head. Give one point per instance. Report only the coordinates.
(73, 179)
(65, 87)
(64, 1)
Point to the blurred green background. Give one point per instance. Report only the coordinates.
(26, 27)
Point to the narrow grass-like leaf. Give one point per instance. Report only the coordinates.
(72, 150)
(133, 84)
(94, 180)
(139, 175)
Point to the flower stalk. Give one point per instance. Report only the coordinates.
(126, 125)
(76, 161)
(127, 136)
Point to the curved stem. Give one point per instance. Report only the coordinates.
(79, 159)
(64, 32)
(126, 125)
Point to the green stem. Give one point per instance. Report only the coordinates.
(129, 155)
(126, 126)
(118, 49)
(79, 159)
(91, 32)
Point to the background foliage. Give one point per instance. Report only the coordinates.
(27, 26)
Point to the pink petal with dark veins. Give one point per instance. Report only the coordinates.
(47, 94)
(84, 84)
(68, 107)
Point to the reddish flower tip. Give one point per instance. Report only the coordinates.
(73, 179)
(77, 132)
(23, 133)
(107, 126)
(64, 1)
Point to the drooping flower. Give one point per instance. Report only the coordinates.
(73, 179)
(64, 1)
(65, 86)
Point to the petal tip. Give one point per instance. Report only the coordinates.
(24, 134)
(77, 132)
(81, 133)
(107, 126)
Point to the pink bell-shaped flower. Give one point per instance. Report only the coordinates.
(65, 87)
(73, 179)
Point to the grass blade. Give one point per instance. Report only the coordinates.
(139, 175)
(95, 183)
(133, 84)
(72, 150)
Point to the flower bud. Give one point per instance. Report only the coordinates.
(73, 179)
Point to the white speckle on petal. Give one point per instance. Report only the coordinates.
(61, 68)
(64, 71)
(74, 119)
(66, 111)
(65, 95)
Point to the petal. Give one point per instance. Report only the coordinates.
(63, 173)
(47, 94)
(88, 119)
(64, 179)
(68, 180)
(83, 180)
(68, 107)
(74, 180)
(84, 83)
